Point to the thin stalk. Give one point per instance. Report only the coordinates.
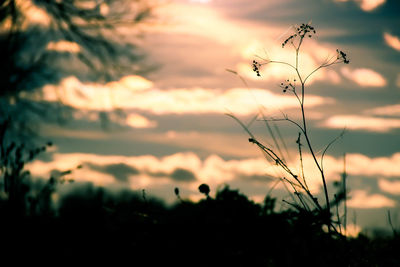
(344, 177)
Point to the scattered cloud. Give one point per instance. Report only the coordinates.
(391, 187)
(392, 41)
(364, 77)
(64, 46)
(358, 164)
(132, 83)
(369, 5)
(366, 5)
(138, 121)
(33, 13)
(391, 110)
(358, 122)
(362, 200)
(33, 16)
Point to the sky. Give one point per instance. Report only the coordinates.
(176, 132)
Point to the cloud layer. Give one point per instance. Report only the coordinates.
(134, 92)
(362, 200)
(189, 170)
(360, 122)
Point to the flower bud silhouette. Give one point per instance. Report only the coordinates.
(205, 189)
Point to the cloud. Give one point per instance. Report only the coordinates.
(119, 171)
(366, 5)
(122, 172)
(369, 5)
(391, 187)
(131, 82)
(33, 13)
(392, 41)
(149, 170)
(189, 170)
(391, 110)
(364, 77)
(183, 175)
(63, 46)
(358, 164)
(239, 101)
(246, 38)
(361, 200)
(358, 122)
(205, 21)
(135, 92)
(138, 121)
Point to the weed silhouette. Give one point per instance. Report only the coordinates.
(304, 199)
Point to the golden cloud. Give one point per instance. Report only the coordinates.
(215, 171)
(392, 41)
(138, 121)
(361, 200)
(364, 77)
(369, 5)
(135, 92)
(366, 5)
(64, 46)
(391, 187)
(391, 110)
(358, 122)
(33, 13)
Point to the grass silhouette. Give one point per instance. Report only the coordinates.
(306, 200)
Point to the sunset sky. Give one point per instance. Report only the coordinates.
(176, 132)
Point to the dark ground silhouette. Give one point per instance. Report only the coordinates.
(93, 224)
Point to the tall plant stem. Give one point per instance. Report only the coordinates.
(328, 207)
(305, 126)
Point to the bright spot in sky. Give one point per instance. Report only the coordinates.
(200, 1)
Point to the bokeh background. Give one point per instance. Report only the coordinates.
(167, 127)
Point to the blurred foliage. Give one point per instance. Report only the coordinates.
(44, 41)
(92, 28)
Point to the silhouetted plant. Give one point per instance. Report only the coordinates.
(205, 189)
(16, 181)
(298, 182)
